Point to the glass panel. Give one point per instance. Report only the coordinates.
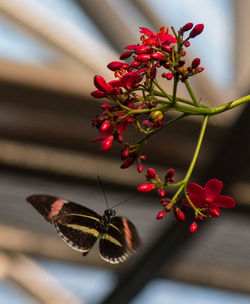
(90, 285)
(215, 45)
(12, 294)
(164, 291)
(17, 45)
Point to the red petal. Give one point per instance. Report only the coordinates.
(223, 201)
(196, 194)
(213, 188)
(146, 31)
(122, 126)
(97, 139)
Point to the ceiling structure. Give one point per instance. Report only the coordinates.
(50, 52)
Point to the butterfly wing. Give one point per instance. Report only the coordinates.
(119, 241)
(77, 225)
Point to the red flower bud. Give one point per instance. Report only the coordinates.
(127, 163)
(105, 126)
(187, 27)
(196, 30)
(125, 55)
(146, 187)
(193, 227)
(107, 143)
(143, 157)
(164, 201)
(124, 154)
(161, 192)
(142, 49)
(102, 85)
(106, 106)
(143, 57)
(199, 69)
(116, 65)
(168, 207)
(168, 76)
(171, 179)
(195, 63)
(157, 56)
(98, 94)
(151, 172)
(170, 173)
(135, 64)
(180, 216)
(146, 123)
(167, 48)
(187, 44)
(160, 214)
(214, 212)
(139, 168)
(199, 217)
(153, 71)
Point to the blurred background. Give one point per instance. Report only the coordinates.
(49, 52)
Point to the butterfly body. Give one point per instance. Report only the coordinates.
(80, 227)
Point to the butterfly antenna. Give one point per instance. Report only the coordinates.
(104, 194)
(128, 199)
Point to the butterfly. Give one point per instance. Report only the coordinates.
(80, 227)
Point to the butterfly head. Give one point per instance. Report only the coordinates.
(110, 212)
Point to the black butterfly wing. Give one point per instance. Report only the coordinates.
(77, 225)
(119, 241)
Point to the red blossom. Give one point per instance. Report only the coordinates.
(150, 38)
(209, 197)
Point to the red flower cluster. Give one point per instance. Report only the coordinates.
(157, 50)
(207, 201)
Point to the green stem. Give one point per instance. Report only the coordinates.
(173, 120)
(162, 90)
(191, 93)
(212, 110)
(183, 183)
(174, 92)
(197, 150)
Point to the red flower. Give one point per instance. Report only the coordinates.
(209, 197)
(150, 38)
